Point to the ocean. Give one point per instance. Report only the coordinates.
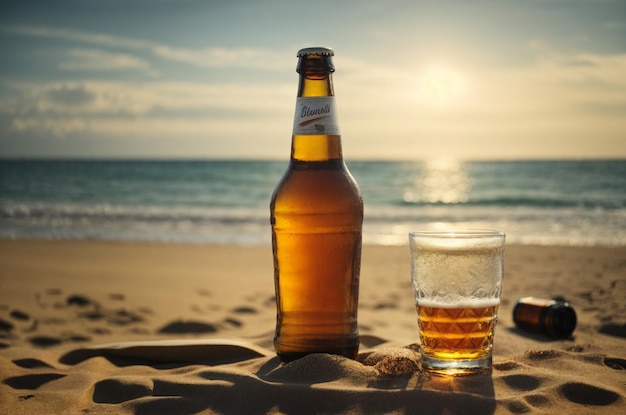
(227, 202)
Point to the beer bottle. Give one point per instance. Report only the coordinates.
(316, 217)
(554, 318)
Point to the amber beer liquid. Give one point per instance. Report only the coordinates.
(316, 217)
(457, 331)
(457, 281)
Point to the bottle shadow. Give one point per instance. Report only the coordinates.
(539, 337)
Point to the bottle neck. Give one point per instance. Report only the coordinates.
(316, 136)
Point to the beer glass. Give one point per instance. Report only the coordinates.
(457, 281)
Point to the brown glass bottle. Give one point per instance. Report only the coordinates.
(316, 216)
(554, 318)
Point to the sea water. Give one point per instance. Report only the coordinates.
(580, 202)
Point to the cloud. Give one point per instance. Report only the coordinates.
(70, 96)
(125, 99)
(139, 114)
(219, 57)
(251, 58)
(560, 104)
(562, 85)
(555, 105)
(99, 60)
(58, 128)
(80, 37)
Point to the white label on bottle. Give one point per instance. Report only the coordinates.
(315, 115)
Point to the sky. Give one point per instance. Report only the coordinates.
(470, 79)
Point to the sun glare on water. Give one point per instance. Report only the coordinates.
(440, 181)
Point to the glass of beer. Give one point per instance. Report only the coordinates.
(457, 281)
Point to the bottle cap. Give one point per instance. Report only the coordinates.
(320, 51)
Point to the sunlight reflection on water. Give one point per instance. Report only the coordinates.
(441, 180)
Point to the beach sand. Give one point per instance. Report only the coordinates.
(127, 328)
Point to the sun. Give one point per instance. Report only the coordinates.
(442, 85)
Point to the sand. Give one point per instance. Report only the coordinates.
(126, 328)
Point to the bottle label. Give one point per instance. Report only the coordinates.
(315, 115)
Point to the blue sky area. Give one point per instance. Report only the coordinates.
(214, 79)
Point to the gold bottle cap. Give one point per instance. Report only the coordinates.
(320, 51)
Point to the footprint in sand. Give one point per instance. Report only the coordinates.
(505, 366)
(6, 325)
(19, 315)
(615, 363)
(45, 341)
(385, 305)
(29, 363)
(91, 310)
(518, 407)
(584, 394)
(613, 329)
(32, 382)
(580, 393)
(181, 327)
(235, 322)
(245, 310)
(122, 389)
(79, 300)
(537, 400)
(522, 382)
(123, 317)
(48, 341)
(543, 354)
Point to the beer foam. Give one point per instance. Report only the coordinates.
(459, 303)
(451, 246)
(462, 241)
